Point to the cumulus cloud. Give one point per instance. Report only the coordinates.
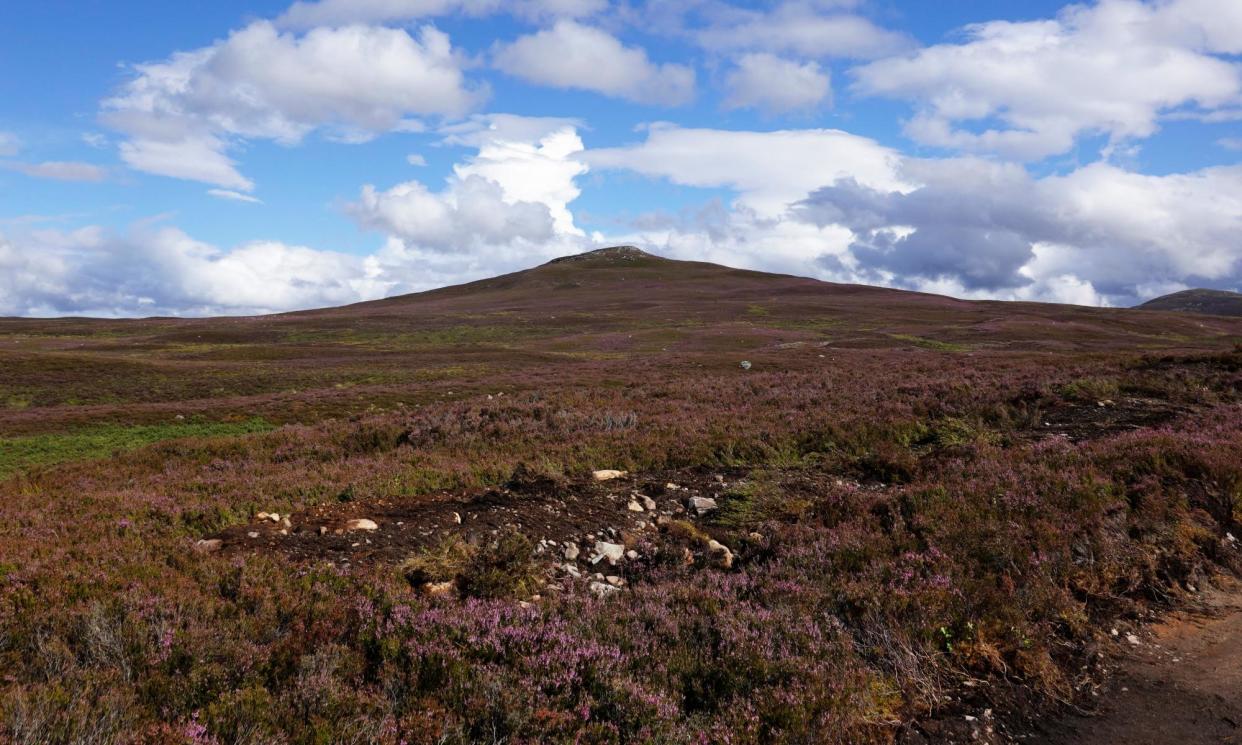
(58, 170)
(92, 271)
(1029, 89)
(504, 207)
(572, 55)
(769, 170)
(182, 115)
(801, 27)
(765, 81)
(304, 14)
(987, 229)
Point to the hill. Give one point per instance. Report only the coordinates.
(1212, 302)
(611, 498)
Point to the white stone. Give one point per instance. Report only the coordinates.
(703, 505)
(634, 506)
(603, 588)
(613, 552)
(571, 552)
(361, 523)
(607, 474)
(648, 502)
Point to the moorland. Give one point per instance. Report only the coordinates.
(835, 513)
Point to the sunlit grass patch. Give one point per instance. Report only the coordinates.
(933, 344)
(101, 441)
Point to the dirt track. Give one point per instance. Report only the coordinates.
(1182, 685)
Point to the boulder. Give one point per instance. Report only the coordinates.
(571, 551)
(703, 505)
(648, 503)
(361, 523)
(607, 474)
(208, 545)
(613, 552)
(720, 554)
(603, 589)
(634, 506)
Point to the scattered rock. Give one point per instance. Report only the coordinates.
(720, 554)
(262, 516)
(703, 505)
(603, 589)
(745, 364)
(274, 517)
(457, 518)
(613, 552)
(208, 545)
(671, 486)
(1133, 639)
(571, 552)
(252, 534)
(285, 522)
(631, 554)
(323, 530)
(571, 570)
(634, 506)
(607, 474)
(614, 580)
(361, 523)
(648, 503)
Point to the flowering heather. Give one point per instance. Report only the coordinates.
(917, 530)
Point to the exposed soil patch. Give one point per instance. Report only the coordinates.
(546, 510)
(1078, 421)
(1182, 684)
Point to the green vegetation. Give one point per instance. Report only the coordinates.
(101, 441)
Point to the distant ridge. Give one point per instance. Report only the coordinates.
(1211, 302)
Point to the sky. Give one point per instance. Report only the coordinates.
(228, 158)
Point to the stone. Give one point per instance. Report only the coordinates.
(745, 364)
(703, 505)
(572, 570)
(603, 589)
(262, 516)
(274, 517)
(252, 534)
(631, 554)
(571, 552)
(634, 506)
(457, 518)
(607, 474)
(613, 552)
(614, 580)
(720, 554)
(323, 530)
(648, 503)
(1133, 639)
(437, 589)
(208, 545)
(285, 523)
(361, 523)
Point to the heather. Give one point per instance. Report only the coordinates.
(918, 531)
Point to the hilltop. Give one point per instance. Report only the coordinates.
(1212, 302)
(611, 498)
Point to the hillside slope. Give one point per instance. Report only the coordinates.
(1213, 302)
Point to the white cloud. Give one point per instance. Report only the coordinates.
(9, 144)
(305, 14)
(91, 271)
(765, 81)
(1029, 89)
(235, 196)
(992, 229)
(769, 170)
(571, 55)
(416, 160)
(1230, 143)
(802, 28)
(57, 170)
(184, 114)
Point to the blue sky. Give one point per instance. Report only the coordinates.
(228, 158)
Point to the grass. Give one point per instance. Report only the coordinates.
(102, 441)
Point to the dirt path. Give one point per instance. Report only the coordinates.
(1182, 685)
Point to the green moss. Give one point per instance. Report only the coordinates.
(101, 441)
(933, 344)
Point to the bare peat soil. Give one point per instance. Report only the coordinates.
(1182, 685)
